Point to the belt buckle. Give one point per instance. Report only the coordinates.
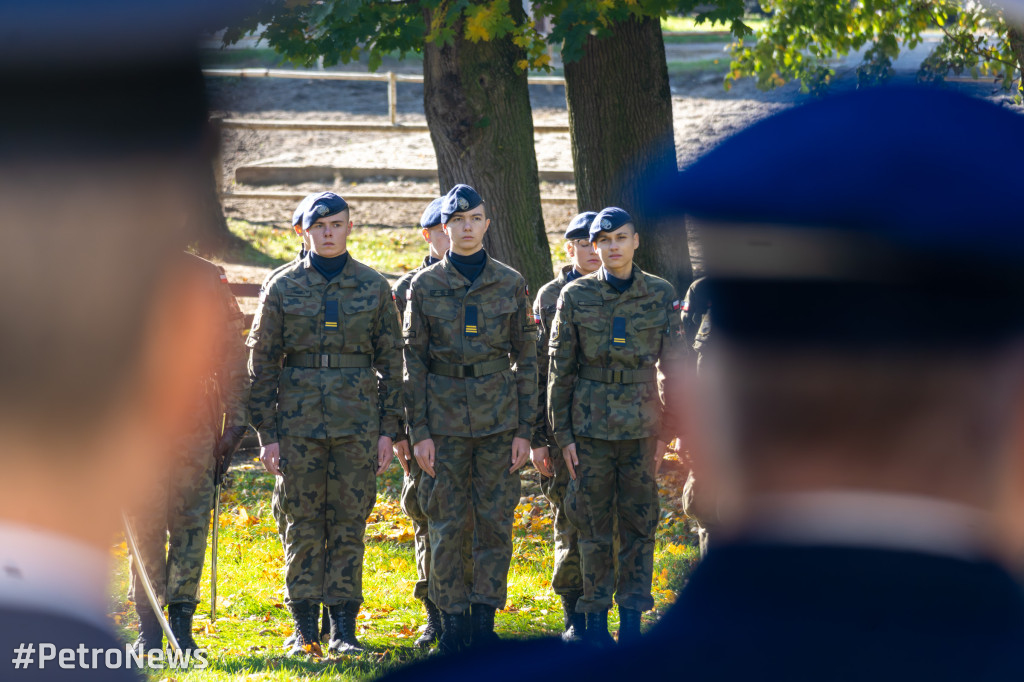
(468, 372)
(616, 376)
(325, 361)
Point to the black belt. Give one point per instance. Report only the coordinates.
(480, 369)
(618, 376)
(328, 360)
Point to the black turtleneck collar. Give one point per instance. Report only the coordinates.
(430, 261)
(573, 274)
(329, 267)
(470, 266)
(620, 284)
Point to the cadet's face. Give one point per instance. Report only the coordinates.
(582, 255)
(466, 231)
(438, 240)
(616, 248)
(329, 236)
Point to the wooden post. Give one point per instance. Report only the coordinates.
(392, 98)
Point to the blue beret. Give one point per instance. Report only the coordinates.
(460, 198)
(432, 213)
(608, 220)
(321, 205)
(579, 227)
(860, 219)
(301, 208)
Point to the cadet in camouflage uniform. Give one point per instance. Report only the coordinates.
(437, 239)
(325, 367)
(181, 518)
(697, 317)
(470, 413)
(609, 417)
(275, 500)
(566, 580)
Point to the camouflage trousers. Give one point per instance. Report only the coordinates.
(327, 490)
(421, 534)
(172, 530)
(566, 577)
(472, 482)
(615, 482)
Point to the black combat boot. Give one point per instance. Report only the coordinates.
(180, 618)
(306, 642)
(151, 635)
(325, 625)
(433, 631)
(575, 623)
(483, 625)
(597, 631)
(453, 635)
(629, 626)
(343, 628)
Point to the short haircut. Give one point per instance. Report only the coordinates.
(942, 412)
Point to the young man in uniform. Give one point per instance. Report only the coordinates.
(609, 416)
(275, 503)
(178, 515)
(324, 363)
(438, 243)
(566, 580)
(470, 397)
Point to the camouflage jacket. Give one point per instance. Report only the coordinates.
(697, 313)
(228, 385)
(439, 327)
(597, 329)
(544, 315)
(400, 292)
(400, 289)
(303, 315)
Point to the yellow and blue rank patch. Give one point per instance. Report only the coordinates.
(471, 321)
(330, 315)
(618, 331)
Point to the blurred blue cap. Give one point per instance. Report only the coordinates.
(320, 206)
(579, 226)
(460, 198)
(883, 216)
(432, 213)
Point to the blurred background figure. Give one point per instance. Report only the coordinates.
(859, 420)
(103, 152)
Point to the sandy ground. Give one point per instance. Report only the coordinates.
(703, 111)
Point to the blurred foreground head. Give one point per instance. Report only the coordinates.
(864, 260)
(103, 145)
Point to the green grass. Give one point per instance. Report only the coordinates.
(388, 250)
(241, 57)
(688, 24)
(687, 67)
(252, 621)
(698, 38)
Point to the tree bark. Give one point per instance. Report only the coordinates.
(620, 122)
(478, 110)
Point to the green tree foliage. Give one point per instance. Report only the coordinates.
(345, 30)
(802, 38)
(575, 20)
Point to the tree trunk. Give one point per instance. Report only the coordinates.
(478, 110)
(620, 120)
(1015, 35)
